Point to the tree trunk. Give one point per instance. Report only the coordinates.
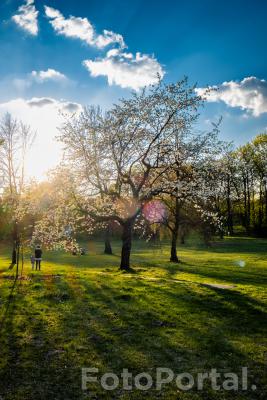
(248, 204)
(174, 231)
(18, 259)
(182, 239)
(207, 238)
(126, 245)
(108, 248)
(246, 207)
(14, 239)
(14, 256)
(174, 257)
(260, 219)
(230, 224)
(253, 206)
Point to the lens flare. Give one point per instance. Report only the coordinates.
(154, 211)
(240, 263)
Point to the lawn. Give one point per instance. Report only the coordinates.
(207, 312)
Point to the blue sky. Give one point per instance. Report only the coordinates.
(50, 62)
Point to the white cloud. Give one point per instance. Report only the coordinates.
(81, 28)
(45, 115)
(52, 13)
(250, 94)
(48, 75)
(107, 38)
(59, 105)
(125, 69)
(27, 17)
(39, 77)
(39, 102)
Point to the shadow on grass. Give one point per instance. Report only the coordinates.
(230, 275)
(6, 307)
(59, 324)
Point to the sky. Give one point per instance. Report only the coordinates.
(57, 56)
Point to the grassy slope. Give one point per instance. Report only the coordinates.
(91, 315)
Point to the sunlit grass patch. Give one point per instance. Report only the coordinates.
(81, 311)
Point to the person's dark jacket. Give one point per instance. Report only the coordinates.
(38, 253)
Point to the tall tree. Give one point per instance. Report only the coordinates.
(190, 181)
(120, 157)
(16, 138)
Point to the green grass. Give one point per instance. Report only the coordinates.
(80, 311)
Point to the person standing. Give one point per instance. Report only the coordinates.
(38, 257)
